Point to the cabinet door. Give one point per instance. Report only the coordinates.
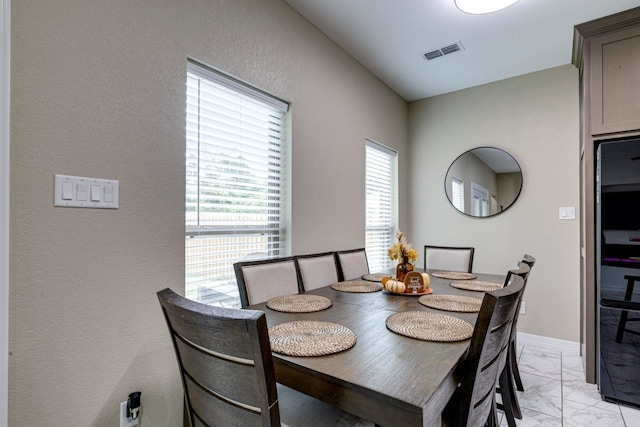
(615, 82)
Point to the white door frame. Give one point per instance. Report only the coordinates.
(5, 61)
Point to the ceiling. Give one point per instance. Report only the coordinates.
(389, 37)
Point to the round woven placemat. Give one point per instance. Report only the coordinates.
(427, 326)
(299, 303)
(476, 285)
(374, 277)
(310, 338)
(454, 275)
(357, 286)
(457, 303)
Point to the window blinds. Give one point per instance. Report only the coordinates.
(457, 194)
(381, 206)
(234, 195)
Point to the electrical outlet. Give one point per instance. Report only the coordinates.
(124, 421)
(523, 308)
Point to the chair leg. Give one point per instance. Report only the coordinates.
(621, 325)
(510, 404)
(513, 362)
(625, 314)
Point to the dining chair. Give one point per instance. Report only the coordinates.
(317, 270)
(474, 400)
(227, 372)
(530, 261)
(261, 280)
(507, 387)
(449, 258)
(352, 264)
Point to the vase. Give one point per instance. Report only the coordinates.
(403, 268)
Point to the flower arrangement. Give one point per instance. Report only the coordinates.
(402, 249)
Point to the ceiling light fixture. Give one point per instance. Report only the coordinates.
(478, 7)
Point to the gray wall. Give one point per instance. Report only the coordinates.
(535, 118)
(98, 90)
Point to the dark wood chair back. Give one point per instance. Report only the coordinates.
(529, 260)
(352, 264)
(448, 258)
(317, 270)
(522, 270)
(260, 280)
(473, 403)
(225, 363)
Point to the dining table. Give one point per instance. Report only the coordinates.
(387, 378)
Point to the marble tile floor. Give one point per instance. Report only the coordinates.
(557, 395)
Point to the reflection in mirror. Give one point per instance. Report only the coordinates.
(483, 182)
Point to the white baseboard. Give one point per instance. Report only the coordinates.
(568, 348)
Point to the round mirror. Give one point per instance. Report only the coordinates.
(483, 182)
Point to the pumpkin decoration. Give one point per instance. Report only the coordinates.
(426, 279)
(394, 286)
(384, 280)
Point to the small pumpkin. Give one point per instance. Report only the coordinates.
(395, 286)
(384, 280)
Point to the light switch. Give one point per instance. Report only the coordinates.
(81, 192)
(108, 193)
(67, 191)
(95, 193)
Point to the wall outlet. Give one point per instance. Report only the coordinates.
(523, 308)
(124, 421)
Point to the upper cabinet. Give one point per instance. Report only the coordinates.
(615, 82)
(607, 52)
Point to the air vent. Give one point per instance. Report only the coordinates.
(442, 51)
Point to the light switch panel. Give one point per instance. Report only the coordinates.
(568, 212)
(81, 192)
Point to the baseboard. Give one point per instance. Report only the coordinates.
(568, 348)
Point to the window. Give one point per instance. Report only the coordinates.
(381, 204)
(235, 199)
(457, 194)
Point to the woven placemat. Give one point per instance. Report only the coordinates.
(310, 338)
(427, 326)
(299, 303)
(374, 277)
(454, 275)
(457, 303)
(476, 285)
(357, 286)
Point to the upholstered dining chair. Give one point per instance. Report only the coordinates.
(261, 280)
(352, 264)
(449, 258)
(474, 401)
(226, 366)
(507, 387)
(317, 270)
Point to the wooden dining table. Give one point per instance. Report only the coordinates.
(386, 378)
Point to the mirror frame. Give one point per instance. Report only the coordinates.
(447, 179)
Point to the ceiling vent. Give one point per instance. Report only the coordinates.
(442, 51)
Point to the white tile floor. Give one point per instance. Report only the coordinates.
(557, 395)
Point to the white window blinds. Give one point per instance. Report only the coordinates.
(235, 192)
(381, 205)
(457, 194)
